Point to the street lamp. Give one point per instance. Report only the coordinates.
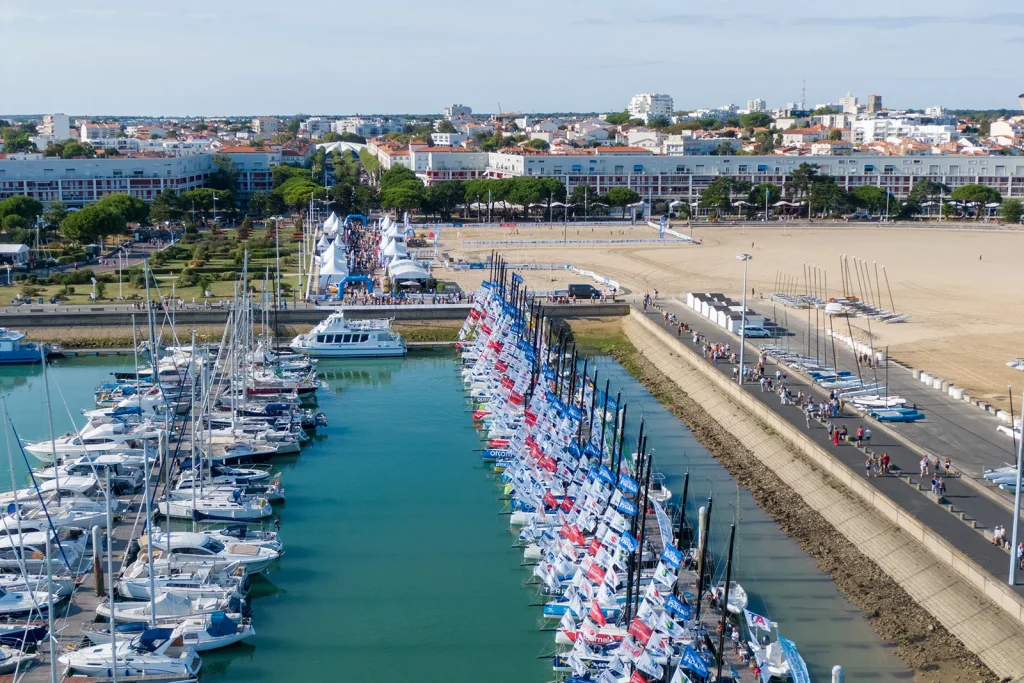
(743, 320)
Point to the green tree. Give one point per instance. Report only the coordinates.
(538, 144)
(133, 209)
(26, 207)
(755, 119)
(258, 202)
(801, 178)
(293, 126)
(444, 197)
(552, 190)
(977, 194)
(826, 197)
(723, 150)
(1011, 211)
(13, 222)
(718, 195)
(445, 126)
(55, 212)
(617, 119)
(658, 123)
(525, 190)
(825, 111)
(757, 195)
(244, 229)
(835, 134)
(224, 176)
(92, 224)
(583, 196)
(166, 206)
(18, 144)
(622, 197)
(870, 197)
(763, 142)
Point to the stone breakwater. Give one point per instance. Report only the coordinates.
(939, 624)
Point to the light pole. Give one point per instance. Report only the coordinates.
(1014, 537)
(743, 318)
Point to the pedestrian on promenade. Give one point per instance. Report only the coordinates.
(860, 436)
(935, 484)
(1020, 555)
(867, 467)
(807, 417)
(924, 466)
(938, 465)
(835, 437)
(867, 436)
(762, 383)
(942, 486)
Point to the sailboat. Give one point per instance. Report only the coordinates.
(143, 655)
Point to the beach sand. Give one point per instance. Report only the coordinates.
(966, 312)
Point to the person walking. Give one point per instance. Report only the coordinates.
(867, 436)
(924, 466)
(867, 467)
(860, 436)
(835, 437)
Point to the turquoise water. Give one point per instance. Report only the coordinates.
(398, 566)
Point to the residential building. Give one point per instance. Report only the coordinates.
(649, 106)
(756, 105)
(266, 125)
(938, 111)
(447, 139)
(146, 131)
(1006, 129)
(689, 145)
(389, 153)
(848, 103)
(367, 128)
(455, 111)
(316, 126)
(804, 136)
(831, 148)
(921, 129)
(874, 104)
(253, 166)
(834, 120)
(56, 126)
(93, 132)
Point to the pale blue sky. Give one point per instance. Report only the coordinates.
(192, 57)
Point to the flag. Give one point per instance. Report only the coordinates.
(671, 626)
(627, 507)
(672, 557)
(664, 575)
(586, 589)
(596, 573)
(574, 661)
(679, 676)
(647, 664)
(677, 607)
(629, 484)
(654, 596)
(588, 630)
(616, 665)
(575, 535)
(756, 620)
(607, 677)
(659, 645)
(640, 631)
(628, 543)
(567, 623)
(575, 604)
(596, 614)
(694, 662)
(637, 677)
(611, 578)
(629, 650)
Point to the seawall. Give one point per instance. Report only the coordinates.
(971, 604)
(103, 316)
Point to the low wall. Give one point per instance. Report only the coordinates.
(944, 581)
(309, 316)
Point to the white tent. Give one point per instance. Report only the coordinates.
(386, 223)
(331, 224)
(407, 269)
(322, 244)
(393, 232)
(333, 263)
(395, 248)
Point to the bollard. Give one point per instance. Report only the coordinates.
(838, 675)
(97, 560)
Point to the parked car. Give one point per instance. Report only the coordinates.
(584, 291)
(756, 332)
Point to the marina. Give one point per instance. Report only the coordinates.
(211, 575)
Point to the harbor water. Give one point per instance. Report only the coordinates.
(398, 566)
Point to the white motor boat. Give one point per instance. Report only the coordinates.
(165, 609)
(19, 603)
(193, 582)
(63, 586)
(337, 337)
(30, 549)
(103, 438)
(212, 631)
(123, 476)
(737, 596)
(186, 546)
(143, 655)
(12, 659)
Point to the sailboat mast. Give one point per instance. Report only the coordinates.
(49, 417)
(703, 557)
(725, 601)
(154, 349)
(195, 435)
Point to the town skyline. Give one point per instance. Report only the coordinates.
(174, 64)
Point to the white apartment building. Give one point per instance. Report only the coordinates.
(56, 126)
(685, 177)
(95, 132)
(689, 145)
(917, 129)
(447, 139)
(368, 128)
(848, 103)
(1007, 129)
(316, 126)
(649, 106)
(756, 105)
(454, 111)
(266, 125)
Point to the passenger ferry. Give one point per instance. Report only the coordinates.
(12, 351)
(337, 337)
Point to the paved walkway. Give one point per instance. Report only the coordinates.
(986, 512)
(954, 428)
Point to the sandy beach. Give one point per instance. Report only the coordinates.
(963, 288)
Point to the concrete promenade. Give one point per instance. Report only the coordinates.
(888, 526)
(980, 512)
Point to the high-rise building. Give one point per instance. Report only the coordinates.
(874, 104)
(56, 125)
(757, 105)
(848, 103)
(649, 106)
(454, 111)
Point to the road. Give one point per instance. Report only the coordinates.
(902, 486)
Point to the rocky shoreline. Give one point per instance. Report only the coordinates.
(918, 639)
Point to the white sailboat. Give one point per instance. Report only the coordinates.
(143, 655)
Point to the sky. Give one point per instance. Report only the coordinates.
(193, 57)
